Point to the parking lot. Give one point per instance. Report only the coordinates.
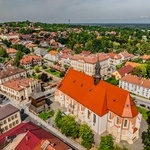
(4, 100)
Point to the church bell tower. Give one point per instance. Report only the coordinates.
(97, 75)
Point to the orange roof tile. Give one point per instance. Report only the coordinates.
(28, 59)
(99, 98)
(133, 64)
(18, 84)
(145, 57)
(11, 50)
(53, 52)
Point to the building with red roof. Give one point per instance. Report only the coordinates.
(28, 136)
(29, 61)
(122, 72)
(104, 107)
(86, 63)
(136, 85)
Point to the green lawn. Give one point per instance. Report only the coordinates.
(56, 73)
(143, 111)
(46, 115)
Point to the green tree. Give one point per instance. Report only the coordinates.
(69, 127)
(62, 74)
(87, 136)
(3, 52)
(58, 118)
(36, 69)
(106, 143)
(147, 139)
(148, 70)
(18, 57)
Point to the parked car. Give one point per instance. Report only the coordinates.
(143, 105)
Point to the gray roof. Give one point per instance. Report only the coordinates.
(37, 95)
(39, 51)
(7, 110)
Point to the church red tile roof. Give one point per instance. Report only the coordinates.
(98, 98)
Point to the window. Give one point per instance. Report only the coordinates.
(94, 118)
(10, 125)
(88, 114)
(6, 128)
(5, 121)
(17, 121)
(15, 115)
(9, 119)
(117, 120)
(125, 123)
(12, 117)
(110, 115)
(14, 123)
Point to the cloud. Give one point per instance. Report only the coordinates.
(76, 10)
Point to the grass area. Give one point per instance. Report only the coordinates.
(56, 73)
(46, 115)
(144, 112)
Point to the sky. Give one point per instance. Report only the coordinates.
(78, 11)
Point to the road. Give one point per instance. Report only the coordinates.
(141, 101)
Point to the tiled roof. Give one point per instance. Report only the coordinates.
(126, 54)
(145, 57)
(53, 52)
(125, 70)
(137, 80)
(18, 84)
(99, 98)
(28, 59)
(133, 64)
(91, 58)
(114, 56)
(7, 110)
(9, 71)
(11, 50)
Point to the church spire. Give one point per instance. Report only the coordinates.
(97, 75)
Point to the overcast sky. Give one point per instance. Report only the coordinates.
(78, 11)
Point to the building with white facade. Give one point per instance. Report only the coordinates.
(114, 59)
(9, 118)
(52, 56)
(10, 72)
(19, 89)
(87, 63)
(104, 107)
(29, 61)
(136, 85)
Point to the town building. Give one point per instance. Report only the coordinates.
(19, 88)
(28, 136)
(122, 72)
(52, 56)
(114, 59)
(9, 118)
(29, 61)
(10, 72)
(11, 52)
(87, 64)
(38, 101)
(136, 85)
(104, 107)
(145, 58)
(126, 56)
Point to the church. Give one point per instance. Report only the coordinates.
(104, 107)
